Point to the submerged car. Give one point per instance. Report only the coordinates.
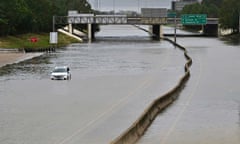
(61, 73)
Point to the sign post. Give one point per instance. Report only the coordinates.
(239, 21)
(53, 40)
(174, 15)
(53, 37)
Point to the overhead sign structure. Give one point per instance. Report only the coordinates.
(194, 19)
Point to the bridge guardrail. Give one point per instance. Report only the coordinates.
(109, 19)
(120, 19)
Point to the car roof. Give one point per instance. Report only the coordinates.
(57, 67)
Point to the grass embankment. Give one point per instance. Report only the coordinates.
(24, 41)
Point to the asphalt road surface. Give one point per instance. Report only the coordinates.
(208, 109)
(113, 80)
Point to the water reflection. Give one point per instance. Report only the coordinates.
(36, 67)
(105, 55)
(231, 39)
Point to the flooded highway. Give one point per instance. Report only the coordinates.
(113, 80)
(208, 109)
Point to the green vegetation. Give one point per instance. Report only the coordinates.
(24, 41)
(226, 10)
(229, 15)
(29, 16)
(21, 20)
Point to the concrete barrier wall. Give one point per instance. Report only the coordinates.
(137, 129)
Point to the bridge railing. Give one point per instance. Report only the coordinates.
(108, 19)
(120, 19)
(178, 20)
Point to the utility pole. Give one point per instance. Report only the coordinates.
(114, 7)
(53, 24)
(239, 21)
(139, 6)
(175, 28)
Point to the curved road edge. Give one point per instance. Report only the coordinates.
(137, 129)
(9, 58)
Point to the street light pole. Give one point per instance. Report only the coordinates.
(114, 7)
(239, 22)
(175, 28)
(53, 24)
(139, 6)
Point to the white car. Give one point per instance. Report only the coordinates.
(61, 73)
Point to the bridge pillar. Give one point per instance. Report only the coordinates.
(70, 28)
(91, 31)
(210, 30)
(157, 31)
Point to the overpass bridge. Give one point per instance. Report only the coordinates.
(92, 20)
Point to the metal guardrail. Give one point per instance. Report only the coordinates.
(9, 50)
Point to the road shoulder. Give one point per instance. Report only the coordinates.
(15, 57)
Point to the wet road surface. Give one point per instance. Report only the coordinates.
(113, 81)
(208, 109)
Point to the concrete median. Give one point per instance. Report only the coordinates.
(137, 129)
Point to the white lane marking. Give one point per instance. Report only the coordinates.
(110, 110)
(145, 83)
(180, 114)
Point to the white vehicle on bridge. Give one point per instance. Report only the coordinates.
(61, 73)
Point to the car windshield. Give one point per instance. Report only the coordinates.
(60, 70)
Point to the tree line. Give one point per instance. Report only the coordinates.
(227, 11)
(25, 16)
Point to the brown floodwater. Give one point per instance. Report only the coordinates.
(208, 109)
(113, 80)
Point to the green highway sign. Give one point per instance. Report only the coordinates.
(171, 14)
(194, 19)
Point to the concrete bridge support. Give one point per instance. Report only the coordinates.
(91, 31)
(210, 30)
(157, 31)
(70, 28)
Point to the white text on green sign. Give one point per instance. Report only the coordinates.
(194, 19)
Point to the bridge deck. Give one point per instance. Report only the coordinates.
(120, 19)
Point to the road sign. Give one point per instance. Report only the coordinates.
(194, 19)
(33, 39)
(171, 14)
(53, 38)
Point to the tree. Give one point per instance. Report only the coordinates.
(209, 7)
(13, 14)
(3, 20)
(24, 16)
(217, 3)
(229, 15)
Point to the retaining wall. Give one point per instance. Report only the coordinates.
(133, 133)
